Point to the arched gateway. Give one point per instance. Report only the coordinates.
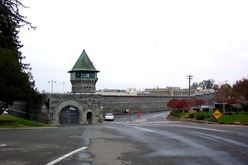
(69, 112)
(75, 108)
(69, 115)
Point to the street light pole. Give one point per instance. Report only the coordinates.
(224, 106)
(52, 81)
(189, 77)
(63, 87)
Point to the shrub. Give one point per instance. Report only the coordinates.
(244, 107)
(178, 113)
(191, 115)
(201, 115)
(205, 109)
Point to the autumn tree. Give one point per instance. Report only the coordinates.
(240, 89)
(184, 104)
(223, 93)
(178, 104)
(196, 102)
(15, 76)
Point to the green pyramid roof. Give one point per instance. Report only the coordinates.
(83, 64)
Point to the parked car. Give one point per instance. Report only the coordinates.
(109, 116)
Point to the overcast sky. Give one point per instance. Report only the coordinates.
(137, 43)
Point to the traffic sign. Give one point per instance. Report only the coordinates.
(217, 114)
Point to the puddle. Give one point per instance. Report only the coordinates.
(86, 141)
(86, 163)
(84, 155)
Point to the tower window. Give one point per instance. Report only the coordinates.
(78, 74)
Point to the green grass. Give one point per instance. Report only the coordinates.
(7, 121)
(234, 119)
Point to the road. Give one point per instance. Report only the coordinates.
(127, 141)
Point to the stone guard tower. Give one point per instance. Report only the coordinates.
(82, 106)
(83, 75)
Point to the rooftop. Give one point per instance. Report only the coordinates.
(83, 64)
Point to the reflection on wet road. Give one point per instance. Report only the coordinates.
(184, 142)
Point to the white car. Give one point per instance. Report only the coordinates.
(109, 116)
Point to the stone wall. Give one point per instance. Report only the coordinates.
(94, 103)
(31, 111)
(117, 104)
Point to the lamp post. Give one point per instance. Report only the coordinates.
(189, 77)
(63, 87)
(224, 88)
(52, 81)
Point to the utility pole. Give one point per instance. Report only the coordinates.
(224, 88)
(63, 87)
(52, 81)
(189, 77)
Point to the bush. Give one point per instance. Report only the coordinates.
(177, 113)
(244, 107)
(191, 115)
(205, 109)
(201, 115)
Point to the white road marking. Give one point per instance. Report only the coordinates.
(3, 145)
(202, 128)
(66, 155)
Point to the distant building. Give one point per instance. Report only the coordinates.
(116, 92)
(132, 91)
(168, 91)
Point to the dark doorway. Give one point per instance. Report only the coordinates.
(69, 115)
(89, 118)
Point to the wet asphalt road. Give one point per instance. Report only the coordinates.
(127, 141)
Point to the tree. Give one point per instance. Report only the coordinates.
(240, 89)
(207, 84)
(15, 76)
(223, 93)
(197, 102)
(184, 104)
(194, 85)
(178, 104)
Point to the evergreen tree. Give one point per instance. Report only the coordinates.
(15, 76)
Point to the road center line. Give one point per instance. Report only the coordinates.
(66, 155)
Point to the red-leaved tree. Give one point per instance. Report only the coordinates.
(184, 104)
(240, 89)
(197, 102)
(178, 104)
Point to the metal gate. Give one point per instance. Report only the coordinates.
(69, 115)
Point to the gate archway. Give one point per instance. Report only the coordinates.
(63, 113)
(69, 115)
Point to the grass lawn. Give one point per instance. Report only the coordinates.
(7, 121)
(234, 119)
